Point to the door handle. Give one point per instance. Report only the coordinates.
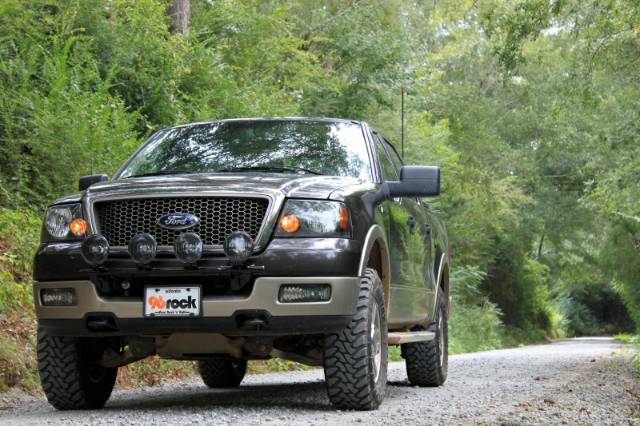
(427, 229)
(412, 224)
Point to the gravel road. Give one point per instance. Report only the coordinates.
(578, 381)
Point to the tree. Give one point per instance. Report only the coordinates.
(180, 13)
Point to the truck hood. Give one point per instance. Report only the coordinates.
(278, 184)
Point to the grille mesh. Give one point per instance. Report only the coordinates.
(121, 220)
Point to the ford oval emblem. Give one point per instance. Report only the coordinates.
(178, 220)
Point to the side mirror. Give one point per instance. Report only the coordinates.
(416, 181)
(87, 181)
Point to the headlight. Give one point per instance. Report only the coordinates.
(60, 221)
(301, 218)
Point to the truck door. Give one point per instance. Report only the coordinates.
(410, 299)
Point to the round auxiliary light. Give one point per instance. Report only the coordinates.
(94, 249)
(143, 248)
(238, 246)
(188, 247)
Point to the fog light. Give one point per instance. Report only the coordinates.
(95, 249)
(143, 248)
(188, 247)
(238, 246)
(58, 297)
(304, 293)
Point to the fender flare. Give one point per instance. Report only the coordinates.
(377, 235)
(439, 287)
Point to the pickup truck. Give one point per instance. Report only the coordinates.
(305, 239)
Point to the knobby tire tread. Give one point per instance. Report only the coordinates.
(347, 370)
(221, 373)
(422, 358)
(61, 366)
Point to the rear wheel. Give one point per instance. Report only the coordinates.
(355, 360)
(222, 373)
(70, 376)
(427, 362)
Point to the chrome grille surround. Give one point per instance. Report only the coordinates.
(118, 219)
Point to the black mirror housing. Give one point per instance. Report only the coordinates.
(87, 181)
(416, 181)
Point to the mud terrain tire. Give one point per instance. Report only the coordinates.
(222, 373)
(355, 360)
(427, 362)
(69, 379)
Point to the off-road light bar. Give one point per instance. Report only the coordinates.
(300, 293)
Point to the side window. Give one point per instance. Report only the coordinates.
(387, 170)
(395, 158)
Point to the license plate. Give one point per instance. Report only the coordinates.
(172, 301)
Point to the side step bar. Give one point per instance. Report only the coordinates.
(409, 337)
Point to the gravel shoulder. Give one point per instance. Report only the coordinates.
(579, 381)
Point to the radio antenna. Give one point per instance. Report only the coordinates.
(403, 122)
(91, 148)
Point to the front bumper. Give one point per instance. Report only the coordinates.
(221, 314)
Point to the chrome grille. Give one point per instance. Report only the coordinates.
(120, 220)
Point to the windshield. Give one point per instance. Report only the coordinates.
(279, 146)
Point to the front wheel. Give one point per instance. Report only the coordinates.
(355, 360)
(427, 362)
(71, 378)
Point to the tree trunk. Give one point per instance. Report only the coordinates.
(180, 13)
(541, 243)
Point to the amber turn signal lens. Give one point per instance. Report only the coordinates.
(290, 223)
(78, 227)
(344, 218)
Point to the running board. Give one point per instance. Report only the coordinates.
(408, 337)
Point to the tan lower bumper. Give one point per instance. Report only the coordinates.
(344, 300)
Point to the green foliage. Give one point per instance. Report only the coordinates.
(475, 323)
(19, 236)
(394, 354)
(274, 365)
(17, 364)
(153, 371)
(629, 338)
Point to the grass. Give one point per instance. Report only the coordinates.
(275, 365)
(18, 364)
(153, 371)
(395, 354)
(628, 338)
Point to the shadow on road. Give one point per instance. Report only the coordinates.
(303, 396)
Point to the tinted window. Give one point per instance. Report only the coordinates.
(385, 165)
(334, 148)
(395, 158)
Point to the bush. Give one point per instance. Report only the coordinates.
(475, 323)
(19, 238)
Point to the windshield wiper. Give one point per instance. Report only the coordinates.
(270, 169)
(160, 173)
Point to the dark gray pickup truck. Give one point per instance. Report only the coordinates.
(297, 238)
